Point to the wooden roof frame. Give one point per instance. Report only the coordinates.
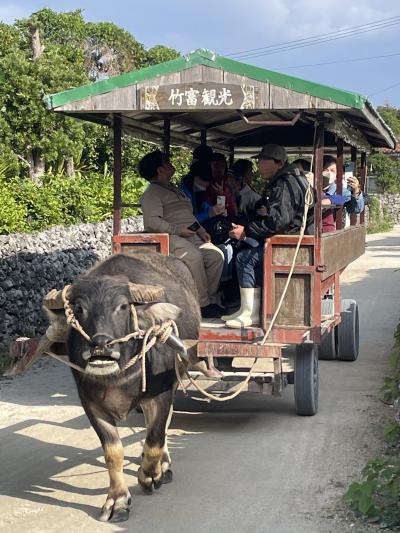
(279, 99)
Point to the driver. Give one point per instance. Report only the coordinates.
(280, 210)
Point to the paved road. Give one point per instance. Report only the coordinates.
(248, 466)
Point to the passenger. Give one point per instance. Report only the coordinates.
(202, 153)
(195, 185)
(166, 209)
(240, 181)
(280, 210)
(351, 190)
(302, 164)
(305, 168)
(219, 185)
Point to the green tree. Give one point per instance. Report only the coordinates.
(69, 52)
(391, 116)
(160, 54)
(387, 172)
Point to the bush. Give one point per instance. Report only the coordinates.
(387, 172)
(379, 219)
(12, 215)
(63, 200)
(377, 496)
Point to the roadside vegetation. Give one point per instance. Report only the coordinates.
(376, 498)
(379, 220)
(53, 169)
(58, 170)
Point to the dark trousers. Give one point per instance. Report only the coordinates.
(249, 267)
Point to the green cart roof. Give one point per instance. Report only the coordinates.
(286, 96)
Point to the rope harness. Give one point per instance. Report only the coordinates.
(161, 333)
(157, 333)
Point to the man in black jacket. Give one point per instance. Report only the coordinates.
(279, 211)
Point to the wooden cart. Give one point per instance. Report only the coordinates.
(236, 108)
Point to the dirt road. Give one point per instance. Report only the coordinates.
(250, 465)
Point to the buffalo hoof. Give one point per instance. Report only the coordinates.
(120, 515)
(166, 477)
(147, 489)
(116, 509)
(148, 484)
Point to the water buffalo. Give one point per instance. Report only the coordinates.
(101, 301)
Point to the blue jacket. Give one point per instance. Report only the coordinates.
(202, 213)
(352, 204)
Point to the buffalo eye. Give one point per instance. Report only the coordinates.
(78, 310)
(123, 307)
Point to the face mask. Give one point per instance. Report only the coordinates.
(332, 178)
(199, 188)
(328, 178)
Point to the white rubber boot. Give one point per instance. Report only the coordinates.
(250, 309)
(236, 313)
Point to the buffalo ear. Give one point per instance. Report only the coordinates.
(160, 312)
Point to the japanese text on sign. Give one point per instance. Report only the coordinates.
(199, 96)
(208, 97)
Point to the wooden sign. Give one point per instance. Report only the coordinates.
(198, 96)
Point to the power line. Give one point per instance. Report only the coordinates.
(338, 61)
(385, 89)
(312, 37)
(317, 39)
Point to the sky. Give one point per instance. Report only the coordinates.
(231, 26)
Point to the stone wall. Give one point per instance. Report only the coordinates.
(32, 264)
(392, 203)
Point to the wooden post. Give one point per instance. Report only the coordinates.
(167, 137)
(316, 287)
(363, 177)
(353, 216)
(339, 180)
(203, 137)
(231, 154)
(117, 130)
(318, 164)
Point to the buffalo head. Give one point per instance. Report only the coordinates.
(102, 305)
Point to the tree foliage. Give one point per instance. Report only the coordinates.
(75, 52)
(377, 496)
(391, 116)
(387, 172)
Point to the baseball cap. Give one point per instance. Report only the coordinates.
(273, 151)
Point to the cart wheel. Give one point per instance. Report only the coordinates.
(306, 379)
(327, 350)
(348, 331)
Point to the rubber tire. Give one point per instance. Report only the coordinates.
(348, 331)
(306, 379)
(327, 350)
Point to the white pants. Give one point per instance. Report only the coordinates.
(204, 260)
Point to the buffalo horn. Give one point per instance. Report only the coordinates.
(53, 299)
(145, 293)
(177, 344)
